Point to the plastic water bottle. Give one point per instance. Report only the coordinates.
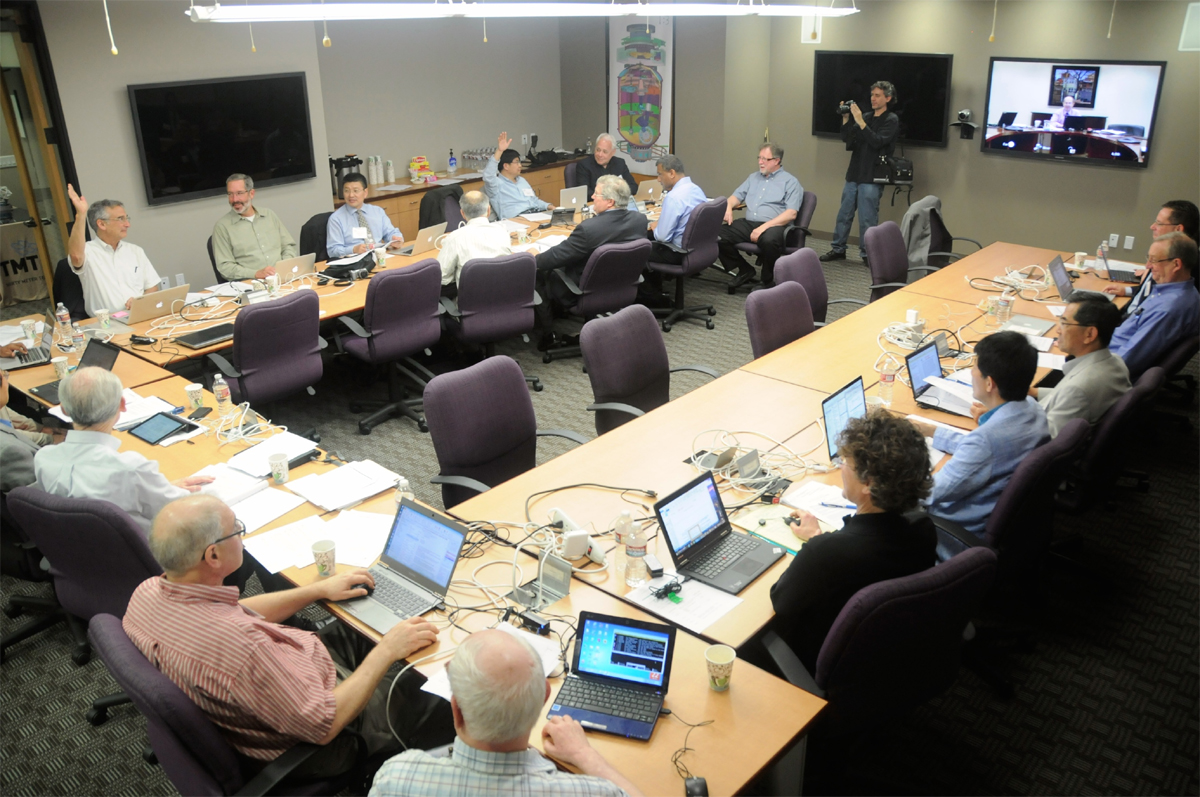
(636, 572)
(1004, 308)
(220, 390)
(887, 381)
(77, 338)
(63, 316)
(621, 530)
(403, 490)
(589, 147)
(452, 164)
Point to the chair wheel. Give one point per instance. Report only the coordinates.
(546, 358)
(96, 716)
(666, 327)
(363, 429)
(81, 656)
(710, 324)
(538, 387)
(148, 755)
(422, 426)
(712, 311)
(13, 610)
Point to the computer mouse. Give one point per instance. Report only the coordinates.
(695, 787)
(370, 590)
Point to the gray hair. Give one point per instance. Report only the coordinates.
(776, 150)
(90, 396)
(473, 205)
(672, 163)
(607, 137)
(614, 189)
(99, 211)
(184, 529)
(1179, 247)
(492, 710)
(245, 178)
(888, 89)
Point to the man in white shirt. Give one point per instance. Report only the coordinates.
(88, 465)
(478, 238)
(113, 271)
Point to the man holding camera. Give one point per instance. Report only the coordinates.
(867, 137)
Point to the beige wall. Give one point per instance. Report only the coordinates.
(582, 67)
(747, 60)
(699, 131)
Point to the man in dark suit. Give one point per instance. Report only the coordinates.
(611, 224)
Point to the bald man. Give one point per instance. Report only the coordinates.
(499, 691)
(475, 239)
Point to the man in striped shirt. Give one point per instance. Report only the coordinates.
(265, 685)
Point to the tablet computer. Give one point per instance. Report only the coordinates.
(159, 427)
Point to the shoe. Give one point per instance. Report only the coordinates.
(832, 254)
(568, 340)
(659, 301)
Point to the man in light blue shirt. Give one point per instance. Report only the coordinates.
(1170, 311)
(772, 198)
(1011, 424)
(681, 195)
(358, 227)
(508, 192)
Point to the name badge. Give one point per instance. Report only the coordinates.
(359, 232)
(527, 191)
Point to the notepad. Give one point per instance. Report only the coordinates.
(810, 496)
(345, 486)
(286, 546)
(264, 507)
(254, 459)
(229, 484)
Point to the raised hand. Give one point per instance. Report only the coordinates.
(80, 203)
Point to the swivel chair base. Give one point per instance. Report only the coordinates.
(678, 311)
(396, 405)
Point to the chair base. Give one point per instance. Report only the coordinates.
(396, 406)
(489, 350)
(97, 715)
(562, 353)
(671, 316)
(741, 280)
(29, 629)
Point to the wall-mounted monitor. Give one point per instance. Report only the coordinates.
(922, 84)
(1095, 112)
(193, 134)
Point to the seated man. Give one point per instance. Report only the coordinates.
(1177, 215)
(16, 450)
(509, 193)
(248, 241)
(1011, 424)
(772, 198)
(113, 271)
(679, 197)
(499, 692)
(478, 238)
(88, 464)
(357, 227)
(602, 162)
(885, 473)
(613, 223)
(266, 686)
(1095, 378)
(1171, 310)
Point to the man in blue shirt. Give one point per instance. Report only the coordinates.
(1170, 311)
(679, 197)
(509, 193)
(357, 227)
(772, 198)
(1011, 424)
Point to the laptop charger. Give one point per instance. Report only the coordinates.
(534, 622)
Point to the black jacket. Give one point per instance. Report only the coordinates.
(612, 226)
(588, 172)
(868, 143)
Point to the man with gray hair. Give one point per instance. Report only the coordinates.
(477, 238)
(247, 241)
(772, 198)
(499, 690)
(113, 271)
(602, 161)
(88, 464)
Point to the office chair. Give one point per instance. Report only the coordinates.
(68, 289)
(626, 360)
(608, 283)
(700, 242)
(453, 213)
(777, 316)
(941, 242)
(401, 317)
(888, 260)
(571, 176)
(795, 235)
(928, 241)
(276, 349)
(313, 236)
(1176, 359)
(212, 260)
(20, 558)
(483, 428)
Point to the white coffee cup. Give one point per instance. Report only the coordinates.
(29, 330)
(279, 467)
(1080, 259)
(325, 555)
(60, 367)
(874, 402)
(720, 659)
(195, 395)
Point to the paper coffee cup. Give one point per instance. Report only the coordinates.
(60, 366)
(29, 330)
(195, 395)
(720, 659)
(325, 555)
(1080, 259)
(102, 318)
(272, 283)
(279, 468)
(874, 402)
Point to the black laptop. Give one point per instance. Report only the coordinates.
(703, 544)
(98, 354)
(1007, 118)
(206, 337)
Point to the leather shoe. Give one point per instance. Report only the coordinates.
(832, 254)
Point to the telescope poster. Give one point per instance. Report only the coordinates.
(640, 83)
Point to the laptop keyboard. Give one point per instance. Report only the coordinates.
(711, 563)
(630, 704)
(35, 356)
(397, 598)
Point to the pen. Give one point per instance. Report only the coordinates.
(839, 506)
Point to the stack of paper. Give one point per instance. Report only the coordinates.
(1052, 361)
(1040, 343)
(230, 485)
(513, 226)
(538, 217)
(344, 486)
(287, 546)
(950, 395)
(358, 538)
(812, 496)
(265, 506)
(254, 459)
(547, 649)
(769, 521)
(935, 453)
(699, 606)
(137, 409)
(395, 187)
(551, 240)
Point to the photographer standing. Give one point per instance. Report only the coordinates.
(867, 137)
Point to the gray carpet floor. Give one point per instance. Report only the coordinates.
(1106, 697)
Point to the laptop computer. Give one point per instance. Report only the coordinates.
(703, 544)
(155, 305)
(1028, 325)
(1062, 280)
(838, 409)
(97, 354)
(206, 337)
(426, 239)
(1116, 273)
(39, 354)
(296, 267)
(926, 362)
(414, 572)
(1007, 118)
(573, 198)
(649, 191)
(619, 675)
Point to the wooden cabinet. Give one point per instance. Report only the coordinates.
(547, 183)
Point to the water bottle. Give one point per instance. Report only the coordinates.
(621, 531)
(220, 390)
(887, 381)
(452, 164)
(589, 146)
(77, 339)
(636, 572)
(1004, 308)
(403, 490)
(63, 316)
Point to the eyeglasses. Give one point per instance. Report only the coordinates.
(1150, 260)
(232, 194)
(767, 160)
(118, 219)
(239, 529)
(1062, 322)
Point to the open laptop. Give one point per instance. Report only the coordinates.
(98, 354)
(1007, 118)
(1028, 325)
(703, 544)
(296, 267)
(923, 363)
(619, 675)
(1062, 280)
(573, 198)
(838, 409)
(156, 304)
(426, 239)
(206, 337)
(1116, 273)
(39, 354)
(649, 191)
(414, 572)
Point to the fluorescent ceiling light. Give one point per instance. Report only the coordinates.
(313, 12)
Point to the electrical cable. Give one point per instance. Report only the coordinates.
(677, 757)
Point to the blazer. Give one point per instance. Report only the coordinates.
(1090, 385)
(16, 459)
(611, 226)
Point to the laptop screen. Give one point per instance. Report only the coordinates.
(1058, 273)
(423, 548)
(691, 514)
(838, 409)
(923, 363)
(99, 354)
(614, 648)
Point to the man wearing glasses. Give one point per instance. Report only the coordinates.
(772, 198)
(265, 685)
(247, 241)
(113, 271)
(1177, 215)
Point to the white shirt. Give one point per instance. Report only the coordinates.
(111, 277)
(479, 238)
(88, 465)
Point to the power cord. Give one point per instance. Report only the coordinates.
(677, 757)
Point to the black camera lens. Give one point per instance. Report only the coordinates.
(844, 108)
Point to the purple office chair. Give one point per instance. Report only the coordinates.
(608, 283)
(777, 316)
(700, 241)
(276, 349)
(626, 360)
(402, 316)
(453, 213)
(184, 740)
(1179, 356)
(483, 428)
(895, 645)
(889, 260)
(795, 235)
(495, 301)
(571, 176)
(212, 260)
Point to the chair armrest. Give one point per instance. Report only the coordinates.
(322, 343)
(570, 283)
(278, 769)
(968, 240)
(616, 406)
(450, 306)
(848, 301)
(677, 249)
(224, 366)
(955, 530)
(951, 255)
(789, 664)
(704, 369)
(888, 285)
(354, 326)
(461, 481)
(575, 436)
(922, 268)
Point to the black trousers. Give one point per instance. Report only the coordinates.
(770, 245)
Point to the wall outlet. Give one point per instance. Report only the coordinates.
(164, 283)
(1128, 241)
(179, 280)
(1114, 240)
(525, 145)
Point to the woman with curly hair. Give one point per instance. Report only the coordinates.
(885, 473)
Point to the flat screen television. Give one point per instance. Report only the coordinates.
(1094, 112)
(922, 82)
(193, 134)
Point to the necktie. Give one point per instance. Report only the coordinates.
(362, 222)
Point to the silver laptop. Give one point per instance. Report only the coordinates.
(1116, 273)
(1028, 325)
(573, 198)
(155, 305)
(415, 570)
(426, 240)
(39, 354)
(296, 267)
(649, 191)
(1062, 280)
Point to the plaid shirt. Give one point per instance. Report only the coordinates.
(482, 774)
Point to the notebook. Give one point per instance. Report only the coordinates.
(426, 239)
(97, 354)
(838, 409)
(206, 337)
(649, 191)
(296, 267)
(1116, 273)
